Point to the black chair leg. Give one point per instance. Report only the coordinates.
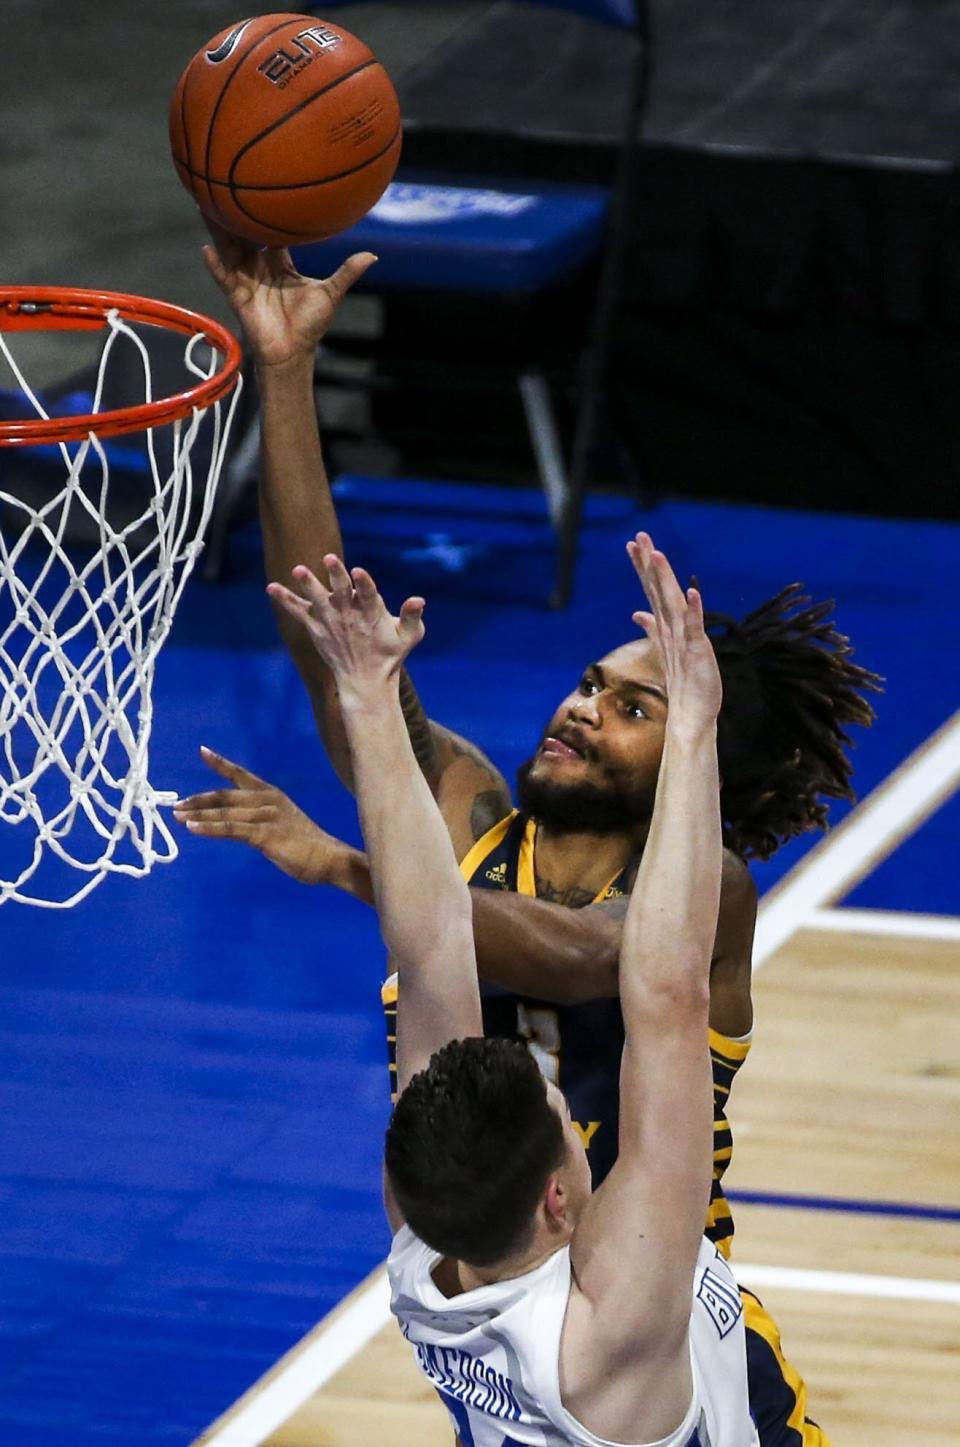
(595, 362)
(545, 440)
(570, 519)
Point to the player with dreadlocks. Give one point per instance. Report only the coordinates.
(550, 879)
(790, 688)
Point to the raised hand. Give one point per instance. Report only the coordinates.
(261, 815)
(350, 627)
(283, 314)
(691, 674)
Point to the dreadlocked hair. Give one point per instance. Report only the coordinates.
(789, 688)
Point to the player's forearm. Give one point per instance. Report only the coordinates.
(297, 515)
(299, 524)
(421, 899)
(564, 956)
(561, 955)
(672, 916)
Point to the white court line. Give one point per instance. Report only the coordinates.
(898, 923)
(888, 815)
(311, 1363)
(848, 1283)
(883, 820)
(369, 1312)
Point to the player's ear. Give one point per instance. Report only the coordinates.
(556, 1200)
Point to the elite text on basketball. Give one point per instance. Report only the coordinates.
(286, 63)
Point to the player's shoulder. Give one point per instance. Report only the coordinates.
(471, 792)
(731, 971)
(738, 891)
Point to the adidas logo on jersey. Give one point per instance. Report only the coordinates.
(498, 875)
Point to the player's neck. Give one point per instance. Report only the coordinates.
(570, 867)
(453, 1277)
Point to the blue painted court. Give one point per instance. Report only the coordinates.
(192, 1067)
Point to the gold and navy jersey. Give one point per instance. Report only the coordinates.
(579, 1047)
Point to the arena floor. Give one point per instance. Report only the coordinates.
(193, 1068)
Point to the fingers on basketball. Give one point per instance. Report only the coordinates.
(214, 264)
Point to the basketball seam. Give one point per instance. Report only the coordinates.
(290, 230)
(183, 120)
(288, 185)
(287, 116)
(223, 90)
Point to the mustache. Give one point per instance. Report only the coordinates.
(571, 735)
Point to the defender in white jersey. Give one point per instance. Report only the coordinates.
(493, 1353)
(545, 1314)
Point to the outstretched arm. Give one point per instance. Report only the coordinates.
(532, 947)
(422, 901)
(284, 317)
(646, 1222)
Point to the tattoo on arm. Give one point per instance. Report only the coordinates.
(418, 727)
(491, 804)
(487, 809)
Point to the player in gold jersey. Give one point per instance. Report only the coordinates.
(790, 689)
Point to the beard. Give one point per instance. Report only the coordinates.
(583, 808)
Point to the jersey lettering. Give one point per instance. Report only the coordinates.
(470, 1380)
(721, 1299)
(586, 1132)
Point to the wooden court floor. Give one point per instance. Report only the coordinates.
(852, 1091)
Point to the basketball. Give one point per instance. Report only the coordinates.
(285, 129)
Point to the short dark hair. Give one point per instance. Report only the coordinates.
(789, 688)
(470, 1148)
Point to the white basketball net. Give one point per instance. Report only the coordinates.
(80, 634)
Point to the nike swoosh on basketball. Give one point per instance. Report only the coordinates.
(227, 47)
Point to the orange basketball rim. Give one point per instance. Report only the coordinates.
(56, 308)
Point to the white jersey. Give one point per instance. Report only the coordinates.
(493, 1353)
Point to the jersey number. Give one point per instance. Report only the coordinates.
(539, 1026)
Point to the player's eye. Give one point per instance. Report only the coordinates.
(588, 685)
(635, 710)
